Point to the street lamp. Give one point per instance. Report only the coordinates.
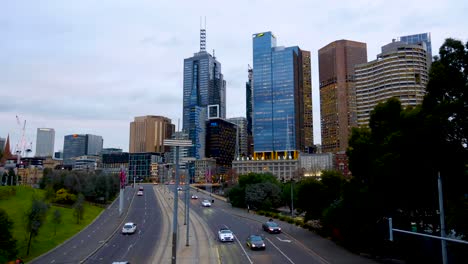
(176, 143)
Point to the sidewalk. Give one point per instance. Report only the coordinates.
(201, 248)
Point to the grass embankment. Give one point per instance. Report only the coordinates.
(16, 207)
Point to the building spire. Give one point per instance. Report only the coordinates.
(202, 36)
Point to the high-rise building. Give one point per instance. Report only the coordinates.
(221, 143)
(281, 94)
(241, 135)
(399, 71)
(77, 145)
(337, 91)
(204, 86)
(147, 133)
(45, 141)
(418, 39)
(249, 112)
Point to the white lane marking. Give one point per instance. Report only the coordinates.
(243, 249)
(280, 251)
(144, 221)
(52, 261)
(284, 240)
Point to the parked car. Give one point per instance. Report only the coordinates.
(129, 228)
(225, 235)
(271, 227)
(206, 203)
(255, 242)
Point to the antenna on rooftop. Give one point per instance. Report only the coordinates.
(202, 36)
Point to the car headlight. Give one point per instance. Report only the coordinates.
(253, 245)
(271, 229)
(279, 228)
(263, 244)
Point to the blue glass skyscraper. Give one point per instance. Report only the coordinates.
(418, 39)
(279, 87)
(204, 85)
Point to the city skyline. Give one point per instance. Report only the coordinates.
(84, 67)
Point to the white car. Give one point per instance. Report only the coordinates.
(206, 203)
(225, 235)
(129, 228)
(140, 193)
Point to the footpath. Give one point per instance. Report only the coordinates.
(201, 247)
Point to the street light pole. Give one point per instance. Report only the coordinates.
(292, 198)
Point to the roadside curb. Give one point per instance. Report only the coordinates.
(113, 233)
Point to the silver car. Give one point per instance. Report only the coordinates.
(129, 228)
(225, 235)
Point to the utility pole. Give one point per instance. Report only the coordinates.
(443, 243)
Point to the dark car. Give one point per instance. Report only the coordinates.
(271, 227)
(255, 242)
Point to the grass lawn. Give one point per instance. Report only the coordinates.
(17, 205)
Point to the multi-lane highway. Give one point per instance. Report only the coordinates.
(140, 246)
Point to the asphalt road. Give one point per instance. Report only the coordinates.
(294, 245)
(82, 244)
(140, 246)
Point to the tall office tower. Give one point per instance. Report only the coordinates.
(45, 142)
(221, 143)
(204, 85)
(418, 39)
(241, 135)
(80, 145)
(249, 111)
(337, 91)
(147, 133)
(399, 71)
(281, 80)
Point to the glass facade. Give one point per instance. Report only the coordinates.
(275, 96)
(45, 140)
(417, 39)
(79, 145)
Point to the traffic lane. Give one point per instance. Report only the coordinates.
(138, 247)
(90, 238)
(280, 248)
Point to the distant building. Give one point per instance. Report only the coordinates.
(58, 155)
(282, 98)
(204, 90)
(110, 151)
(249, 111)
(400, 71)
(2, 143)
(337, 91)
(312, 165)
(283, 169)
(419, 39)
(241, 135)
(204, 170)
(86, 162)
(81, 145)
(144, 165)
(113, 162)
(221, 143)
(45, 141)
(147, 133)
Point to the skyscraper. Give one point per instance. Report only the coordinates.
(399, 71)
(147, 133)
(337, 91)
(241, 135)
(249, 111)
(281, 94)
(80, 145)
(418, 39)
(204, 85)
(2, 143)
(45, 141)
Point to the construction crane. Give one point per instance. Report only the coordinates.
(21, 148)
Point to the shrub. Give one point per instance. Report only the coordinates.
(63, 197)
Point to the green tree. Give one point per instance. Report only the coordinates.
(35, 218)
(237, 194)
(78, 208)
(8, 248)
(56, 219)
(310, 198)
(264, 195)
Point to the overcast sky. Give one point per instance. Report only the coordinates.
(92, 66)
